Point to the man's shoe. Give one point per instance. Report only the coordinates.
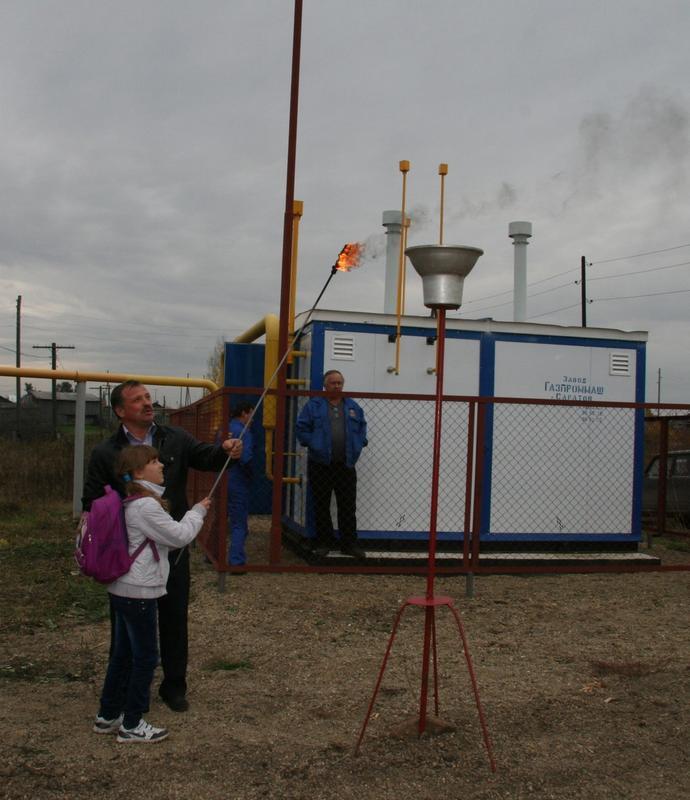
(103, 725)
(354, 551)
(176, 702)
(320, 551)
(143, 732)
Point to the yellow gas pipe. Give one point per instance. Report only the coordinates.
(107, 377)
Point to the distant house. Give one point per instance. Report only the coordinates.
(66, 406)
(5, 402)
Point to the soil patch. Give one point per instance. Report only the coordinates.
(585, 681)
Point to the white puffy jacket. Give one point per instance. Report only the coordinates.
(147, 519)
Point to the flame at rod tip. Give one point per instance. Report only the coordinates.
(349, 256)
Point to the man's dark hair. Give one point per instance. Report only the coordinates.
(332, 372)
(116, 394)
(240, 409)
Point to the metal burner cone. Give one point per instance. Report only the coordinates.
(443, 269)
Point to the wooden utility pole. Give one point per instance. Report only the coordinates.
(53, 361)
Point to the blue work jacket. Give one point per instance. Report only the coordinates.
(314, 430)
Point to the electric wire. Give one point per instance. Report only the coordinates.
(23, 355)
(638, 255)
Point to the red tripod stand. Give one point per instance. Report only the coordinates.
(430, 602)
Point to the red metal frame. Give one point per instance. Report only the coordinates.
(469, 562)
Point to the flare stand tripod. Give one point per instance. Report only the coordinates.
(443, 269)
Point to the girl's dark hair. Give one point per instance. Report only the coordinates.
(132, 458)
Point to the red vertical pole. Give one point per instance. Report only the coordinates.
(663, 472)
(222, 516)
(279, 438)
(433, 519)
(479, 475)
(468, 485)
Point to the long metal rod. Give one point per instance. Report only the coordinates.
(334, 269)
(404, 168)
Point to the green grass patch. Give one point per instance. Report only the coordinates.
(40, 584)
(681, 545)
(221, 665)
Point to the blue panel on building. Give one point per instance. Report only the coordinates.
(244, 366)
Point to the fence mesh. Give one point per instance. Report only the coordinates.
(562, 469)
(523, 473)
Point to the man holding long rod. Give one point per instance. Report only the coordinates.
(178, 451)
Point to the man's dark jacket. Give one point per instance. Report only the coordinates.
(177, 450)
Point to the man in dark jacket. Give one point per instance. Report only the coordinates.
(334, 430)
(178, 451)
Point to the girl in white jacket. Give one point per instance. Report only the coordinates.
(134, 653)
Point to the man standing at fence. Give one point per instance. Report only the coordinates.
(239, 485)
(334, 430)
(178, 451)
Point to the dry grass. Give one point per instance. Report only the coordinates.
(38, 470)
(630, 669)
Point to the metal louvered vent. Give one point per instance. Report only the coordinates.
(343, 348)
(619, 364)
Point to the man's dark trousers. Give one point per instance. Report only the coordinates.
(324, 479)
(172, 626)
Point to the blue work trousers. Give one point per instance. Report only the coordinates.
(238, 513)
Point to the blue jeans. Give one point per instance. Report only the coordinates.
(133, 660)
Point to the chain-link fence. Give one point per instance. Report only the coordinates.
(666, 492)
(522, 484)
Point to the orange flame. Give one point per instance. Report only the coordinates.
(349, 256)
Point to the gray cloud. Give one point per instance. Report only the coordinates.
(142, 172)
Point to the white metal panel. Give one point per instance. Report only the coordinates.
(576, 475)
(561, 372)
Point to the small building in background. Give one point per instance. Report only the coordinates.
(66, 406)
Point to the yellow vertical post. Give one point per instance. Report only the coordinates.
(405, 229)
(442, 171)
(404, 168)
(297, 210)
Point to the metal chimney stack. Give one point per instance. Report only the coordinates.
(520, 233)
(392, 223)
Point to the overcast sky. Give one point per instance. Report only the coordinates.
(143, 147)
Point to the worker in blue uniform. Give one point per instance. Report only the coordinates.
(239, 484)
(334, 430)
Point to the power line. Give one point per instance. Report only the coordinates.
(639, 271)
(534, 283)
(555, 311)
(25, 355)
(637, 255)
(637, 296)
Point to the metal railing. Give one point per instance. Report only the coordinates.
(525, 485)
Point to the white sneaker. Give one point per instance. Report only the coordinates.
(143, 732)
(103, 725)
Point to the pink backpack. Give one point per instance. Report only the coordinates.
(102, 546)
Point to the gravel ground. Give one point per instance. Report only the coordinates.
(584, 680)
